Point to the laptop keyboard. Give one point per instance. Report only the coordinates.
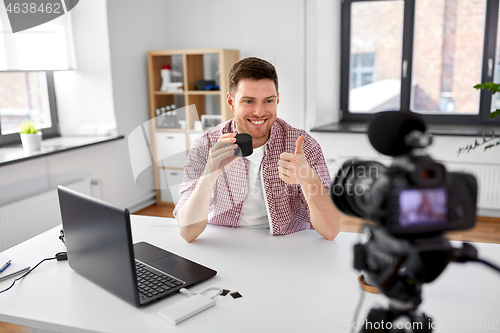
(154, 283)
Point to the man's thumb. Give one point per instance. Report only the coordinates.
(298, 145)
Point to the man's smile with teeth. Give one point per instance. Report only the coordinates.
(257, 122)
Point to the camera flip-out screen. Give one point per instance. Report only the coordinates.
(422, 207)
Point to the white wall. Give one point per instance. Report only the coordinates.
(85, 95)
(272, 30)
(135, 27)
(322, 62)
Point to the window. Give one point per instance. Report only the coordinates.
(382, 42)
(27, 61)
(26, 96)
(419, 55)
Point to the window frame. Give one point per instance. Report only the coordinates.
(53, 131)
(489, 52)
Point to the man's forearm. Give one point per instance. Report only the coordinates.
(325, 217)
(192, 216)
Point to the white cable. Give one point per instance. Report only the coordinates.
(219, 291)
(187, 292)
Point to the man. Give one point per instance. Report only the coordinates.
(283, 185)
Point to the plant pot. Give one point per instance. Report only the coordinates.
(31, 142)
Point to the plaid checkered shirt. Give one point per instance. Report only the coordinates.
(286, 204)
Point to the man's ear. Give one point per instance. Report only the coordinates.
(230, 101)
(278, 99)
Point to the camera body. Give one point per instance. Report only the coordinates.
(412, 197)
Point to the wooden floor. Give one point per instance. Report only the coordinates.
(11, 328)
(486, 230)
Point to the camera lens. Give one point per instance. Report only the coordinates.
(352, 188)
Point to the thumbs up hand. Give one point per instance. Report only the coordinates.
(293, 168)
(299, 149)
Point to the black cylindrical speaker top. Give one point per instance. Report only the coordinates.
(245, 145)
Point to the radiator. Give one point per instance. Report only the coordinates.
(29, 217)
(488, 178)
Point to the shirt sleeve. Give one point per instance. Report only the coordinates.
(193, 169)
(316, 159)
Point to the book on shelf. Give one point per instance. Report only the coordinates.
(172, 87)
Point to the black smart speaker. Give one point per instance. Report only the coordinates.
(245, 145)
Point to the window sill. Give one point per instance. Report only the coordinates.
(15, 153)
(435, 129)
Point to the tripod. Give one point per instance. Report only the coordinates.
(393, 320)
(398, 268)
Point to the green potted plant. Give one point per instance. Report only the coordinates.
(493, 140)
(31, 138)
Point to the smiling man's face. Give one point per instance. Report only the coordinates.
(255, 105)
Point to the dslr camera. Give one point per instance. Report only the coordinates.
(415, 196)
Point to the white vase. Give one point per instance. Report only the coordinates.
(31, 142)
(166, 76)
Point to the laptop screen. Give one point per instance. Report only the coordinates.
(99, 243)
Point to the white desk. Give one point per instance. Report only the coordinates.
(294, 283)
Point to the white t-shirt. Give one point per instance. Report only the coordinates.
(254, 212)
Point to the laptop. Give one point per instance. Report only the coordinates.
(99, 244)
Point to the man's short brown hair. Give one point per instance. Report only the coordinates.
(251, 68)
